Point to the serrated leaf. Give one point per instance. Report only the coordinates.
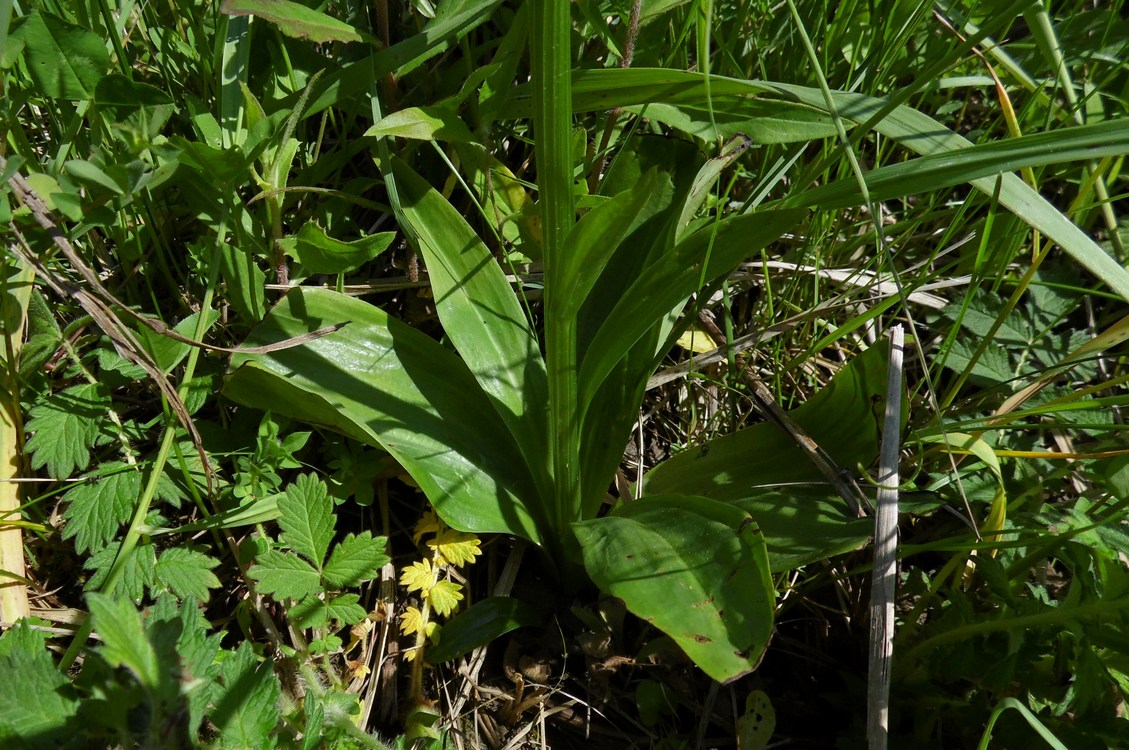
(64, 427)
(418, 576)
(33, 701)
(187, 572)
(306, 518)
(245, 709)
(284, 576)
(124, 643)
(308, 613)
(455, 547)
(136, 575)
(355, 559)
(97, 508)
(346, 609)
(445, 597)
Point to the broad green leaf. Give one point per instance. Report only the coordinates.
(294, 19)
(64, 61)
(481, 624)
(65, 426)
(97, 507)
(764, 120)
(356, 558)
(124, 643)
(480, 312)
(844, 418)
(187, 572)
(320, 253)
(118, 91)
(599, 233)
(244, 281)
(693, 567)
(284, 576)
(245, 708)
(803, 524)
(386, 384)
(424, 124)
(306, 518)
(88, 172)
(669, 281)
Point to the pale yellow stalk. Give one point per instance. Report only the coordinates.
(14, 296)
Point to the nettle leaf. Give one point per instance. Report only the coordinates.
(284, 576)
(97, 508)
(316, 612)
(64, 427)
(346, 609)
(33, 699)
(355, 559)
(136, 575)
(245, 709)
(124, 643)
(187, 572)
(306, 518)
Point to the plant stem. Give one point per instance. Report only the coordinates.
(552, 128)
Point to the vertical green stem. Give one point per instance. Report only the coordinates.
(552, 129)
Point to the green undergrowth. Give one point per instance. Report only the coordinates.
(395, 375)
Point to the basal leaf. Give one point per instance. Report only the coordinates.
(320, 253)
(804, 524)
(694, 568)
(384, 383)
(669, 281)
(284, 576)
(187, 572)
(294, 19)
(595, 238)
(64, 427)
(306, 518)
(843, 418)
(480, 313)
(64, 61)
(356, 558)
(97, 507)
